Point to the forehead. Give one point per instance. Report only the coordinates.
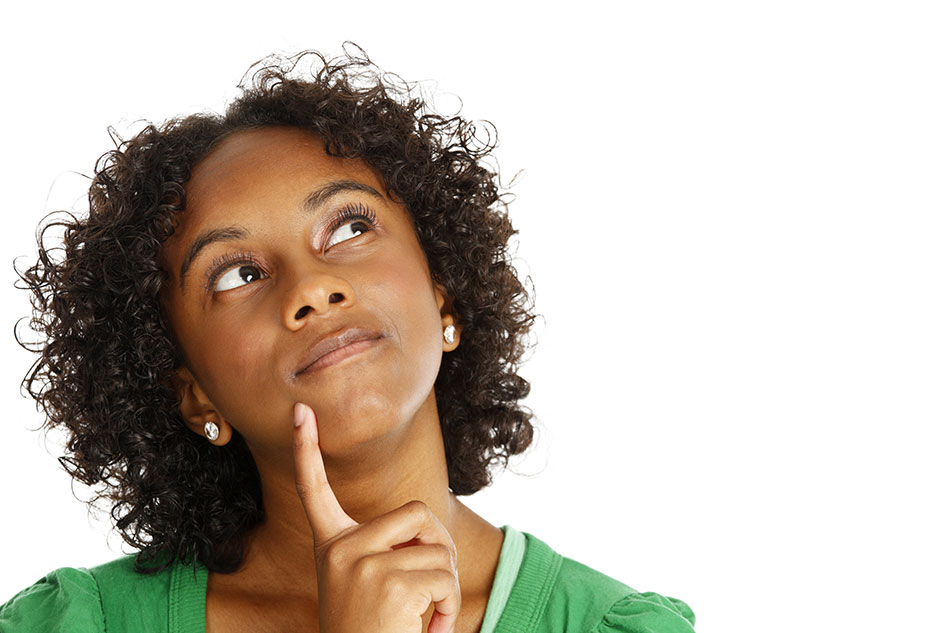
(265, 164)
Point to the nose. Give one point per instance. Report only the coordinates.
(314, 295)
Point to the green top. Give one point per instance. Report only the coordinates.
(509, 562)
(535, 591)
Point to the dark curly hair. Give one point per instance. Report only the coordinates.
(108, 351)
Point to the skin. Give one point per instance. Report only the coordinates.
(354, 480)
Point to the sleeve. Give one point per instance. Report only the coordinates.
(647, 613)
(64, 600)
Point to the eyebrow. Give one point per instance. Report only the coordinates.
(206, 238)
(314, 201)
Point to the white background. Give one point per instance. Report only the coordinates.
(735, 215)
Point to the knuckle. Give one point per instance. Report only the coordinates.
(446, 557)
(394, 588)
(336, 555)
(417, 603)
(365, 569)
(447, 578)
(418, 510)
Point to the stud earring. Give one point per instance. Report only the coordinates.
(211, 430)
(449, 334)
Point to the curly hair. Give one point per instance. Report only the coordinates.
(108, 351)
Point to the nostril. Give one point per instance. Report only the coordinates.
(336, 297)
(302, 312)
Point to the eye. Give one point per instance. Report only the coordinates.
(351, 221)
(238, 276)
(350, 229)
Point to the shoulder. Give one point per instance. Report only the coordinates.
(66, 595)
(616, 606)
(570, 596)
(88, 598)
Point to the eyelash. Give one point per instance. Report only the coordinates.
(225, 263)
(353, 211)
(349, 212)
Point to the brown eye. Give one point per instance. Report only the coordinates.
(238, 276)
(350, 229)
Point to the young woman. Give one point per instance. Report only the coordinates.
(286, 340)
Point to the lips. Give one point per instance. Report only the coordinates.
(333, 342)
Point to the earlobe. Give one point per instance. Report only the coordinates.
(450, 337)
(199, 413)
(217, 431)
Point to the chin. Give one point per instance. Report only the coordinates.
(364, 415)
(355, 424)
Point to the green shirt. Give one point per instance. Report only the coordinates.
(535, 590)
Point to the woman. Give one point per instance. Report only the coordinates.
(286, 340)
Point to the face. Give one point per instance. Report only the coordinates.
(280, 249)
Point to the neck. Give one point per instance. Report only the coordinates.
(374, 479)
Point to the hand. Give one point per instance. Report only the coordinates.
(381, 575)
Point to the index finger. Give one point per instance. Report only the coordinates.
(327, 518)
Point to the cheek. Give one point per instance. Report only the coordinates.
(233, 357)
(421, 325)
(407, 287)
(239, 358)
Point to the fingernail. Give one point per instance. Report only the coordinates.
(300, 413)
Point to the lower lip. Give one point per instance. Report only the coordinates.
(341, 354)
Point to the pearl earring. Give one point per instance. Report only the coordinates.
(211, 430)
(449, 334)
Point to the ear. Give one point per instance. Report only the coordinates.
(197, 409)
(444, 302)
